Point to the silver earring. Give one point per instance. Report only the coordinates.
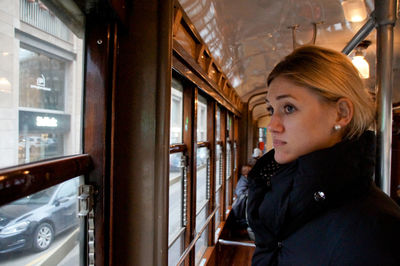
(337, 127)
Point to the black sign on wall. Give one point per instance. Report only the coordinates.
(40, 122)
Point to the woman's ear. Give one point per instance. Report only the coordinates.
(345, 111)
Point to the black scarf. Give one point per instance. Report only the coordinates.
(282, 198)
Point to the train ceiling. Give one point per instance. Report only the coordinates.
(247, 38)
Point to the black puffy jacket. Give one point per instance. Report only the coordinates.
(323, 209)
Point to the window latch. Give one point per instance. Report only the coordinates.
(85, 199)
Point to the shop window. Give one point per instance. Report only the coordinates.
(41, 81)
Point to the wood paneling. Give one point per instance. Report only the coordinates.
(99, 85)
(184, 38)
(189, 39)
(141, 147)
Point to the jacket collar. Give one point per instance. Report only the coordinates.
(289, 195)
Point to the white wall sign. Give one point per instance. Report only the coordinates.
(45, 121)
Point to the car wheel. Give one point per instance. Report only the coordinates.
(43, 237)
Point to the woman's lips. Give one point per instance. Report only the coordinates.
(278, 142)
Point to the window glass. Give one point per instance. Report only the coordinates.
(228, 172)
(36, 227)
(176, 211)
(176, 112)
(202, 181)
(175, 250)
(228, 185)
(229, 123)
(41, 82)
(218, 125)
(175, 194)
(228, 160)
(201, 244)
(218, 166)
(218, 182)
(201, 119)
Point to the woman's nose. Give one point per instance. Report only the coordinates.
(275, 124)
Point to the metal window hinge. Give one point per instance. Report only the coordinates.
(86, 202)
(85, 198)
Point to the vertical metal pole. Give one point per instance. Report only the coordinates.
(385, 19)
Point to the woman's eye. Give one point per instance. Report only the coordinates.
(289, 109)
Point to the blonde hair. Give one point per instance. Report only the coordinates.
(332, 76)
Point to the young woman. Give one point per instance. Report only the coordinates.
(312, 200)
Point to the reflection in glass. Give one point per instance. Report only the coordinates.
(176, 112)
(44, 220)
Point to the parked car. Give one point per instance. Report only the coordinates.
(34, 221)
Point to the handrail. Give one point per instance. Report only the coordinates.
(176, 237)
(203, 144)
(361, 34)
(24, 180)
(178, 147)
(236, 243)
(198, 235)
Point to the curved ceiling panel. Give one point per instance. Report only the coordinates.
(247, 38)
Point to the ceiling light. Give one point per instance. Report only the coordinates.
(354, 10)
(362, 65)
(359, 59)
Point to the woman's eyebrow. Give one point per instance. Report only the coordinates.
(279, 97)
(283, 96)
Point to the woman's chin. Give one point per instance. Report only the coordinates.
(283, 158)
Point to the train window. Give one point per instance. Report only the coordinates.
(228, 157)
(176, 112)
(41, 88)
(218, 182)
(202, 177)
(218, 125)
(218, 169)
(44, 226)
(201, 119)
(201, 244)
(176, 228)
(228, 172)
